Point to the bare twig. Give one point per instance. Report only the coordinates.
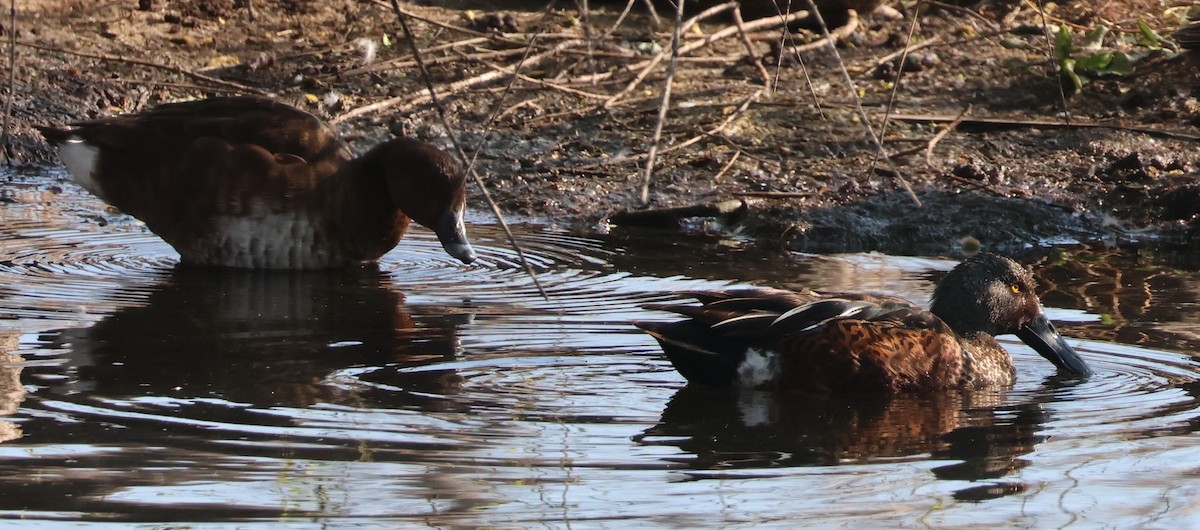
(714, 132)
(411, 101)
(741, 25)
(912, 28)
(648, 65)
(12, 68)
(858, 104)
(736, 154)
(1058, 78)
(1005, 122)
(175, 69)
(416, 51)
(664, 104)
(942, 134)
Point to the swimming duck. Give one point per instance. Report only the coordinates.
(846, 342)
(250, 182)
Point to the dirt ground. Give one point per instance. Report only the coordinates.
(1116, 161)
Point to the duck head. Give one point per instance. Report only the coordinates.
(995, 295)
(429, 186)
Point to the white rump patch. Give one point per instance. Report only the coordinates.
(758, 368)
(80, 159)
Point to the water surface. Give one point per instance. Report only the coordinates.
(134, 392)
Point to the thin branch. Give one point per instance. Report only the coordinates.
(858, 104)
(1058, 78)
(664, 104)
(175, 69)
(411, 100)
(1005, 122)
(912, 29)
(416, 51)
(736, 154)
(942, 134)
(741, 25)
(12, 68)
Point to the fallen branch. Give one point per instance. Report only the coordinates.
(663, 105)
(711, 38)
(412, 101)
(674, 51)
(1008, 122)
(12, 68)
(942, 134)
(762, 70)
(667, 217)
(175, 69)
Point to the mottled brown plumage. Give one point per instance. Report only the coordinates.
(251, 182)
(847, 342)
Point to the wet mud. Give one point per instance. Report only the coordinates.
(1118, 161)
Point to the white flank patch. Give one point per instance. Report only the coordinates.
(80, 159)
(266, 240)
(758, 368)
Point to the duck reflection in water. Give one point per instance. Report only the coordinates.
(981, 436)
(265, 338)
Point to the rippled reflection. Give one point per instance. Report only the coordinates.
(424, 392)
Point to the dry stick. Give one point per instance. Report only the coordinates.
(664, 104)
(912, 29)
(653, 12)
(858, 104)
(1062, 92)
(545, 83)
(648, 65)
(910, 48)
(941, 134)
(12, 68)
(741, 24)
(1004, 122)
(412, 101)
(736, 154)
(412, 43)
(403, 62)
(111, 58)
(715, 131)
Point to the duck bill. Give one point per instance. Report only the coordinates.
(1040, 335)
(453, 234)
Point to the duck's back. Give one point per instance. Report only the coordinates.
(243, 182)
(809, 341)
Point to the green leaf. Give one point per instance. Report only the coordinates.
(1148, 37)
(1121, 64)
(1062, 43)
(1068, 71)
(1093, 64)
(1094, 39)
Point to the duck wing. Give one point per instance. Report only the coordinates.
(808, 340)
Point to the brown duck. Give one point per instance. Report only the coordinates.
(254, 183)
(846, 342)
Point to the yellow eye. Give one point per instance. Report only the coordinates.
(1015, 288)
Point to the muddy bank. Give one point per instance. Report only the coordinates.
(558, 145)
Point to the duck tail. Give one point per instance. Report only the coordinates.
(55, 135)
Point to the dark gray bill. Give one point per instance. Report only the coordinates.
(453, 235)
(1040, 335)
